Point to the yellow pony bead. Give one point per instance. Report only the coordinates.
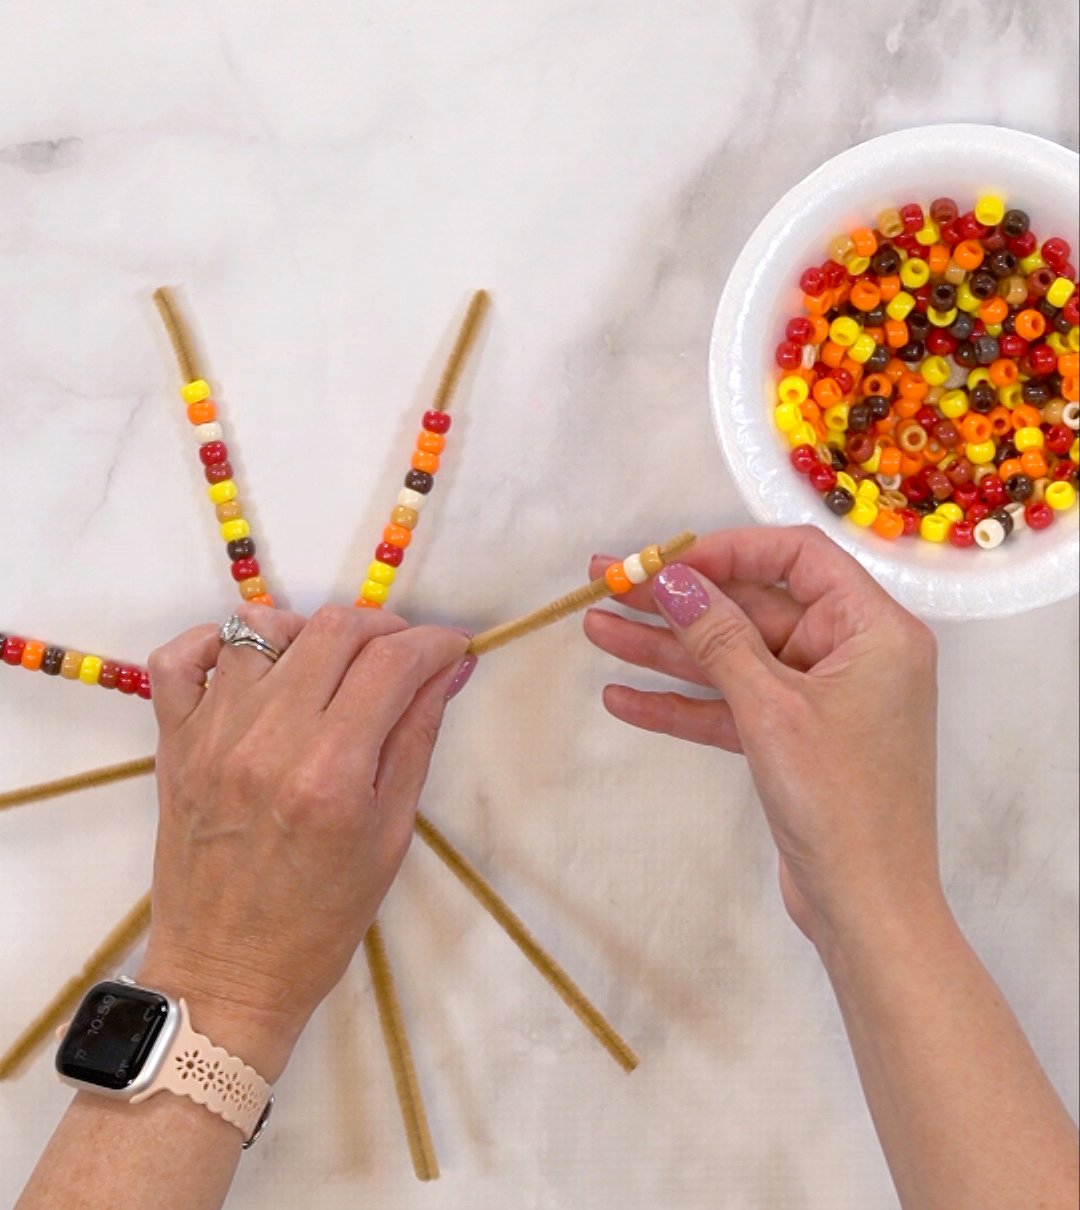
(950, 511)
(868, 489)
(1061, 290)
(990, 209)
(953, 404)
(856, 264)
(787, 416)
(803, 434)
(223, 492)
(792, 389)
(863, 348)
(914, 272)
(836, 418)
(844, 331)
(873, 464)
(1011, 396)
(934, 527)
(965, 300)
(993, 329)
(381, 573)
(928, 233)
(1060, 495)
(1056, 341)
(942, 319)
(90, 669)
(864, 512)
(1073, 339)
(982, 374)
(935, 370)
(844, 480)
(1074, 451)
(1029, 438)
(195, 391)
(1029, 264)
(372, 590)
(980, 452)
(900, 305)
(237, 528)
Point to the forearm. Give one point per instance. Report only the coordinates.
(966, 1116)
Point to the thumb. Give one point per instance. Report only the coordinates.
(721, 639)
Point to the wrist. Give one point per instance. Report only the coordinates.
(262, 1036)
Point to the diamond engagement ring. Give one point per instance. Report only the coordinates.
(237, 633)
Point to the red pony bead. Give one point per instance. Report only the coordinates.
(244, 569)
(941, 343)
(1056, 252)
(213, 451)
(143, 687)
(798, 330)
(803, 458)
(1038, 514)
(978, 512)
(127, 680)
(962, 534)
(109, 672)
(966, 495)
(1011, 345)
(993, 492)
(835, 273)
(823, 477)
(788, 355)
(218, 472)
(436, 422)
(1071, 310)
(812, 282)
(912, 217)
(13, 650)
(910, 519)
(1022, 245)
(843, 380)
(389, 554)
(1059, 437)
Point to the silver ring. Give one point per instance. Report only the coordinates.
(237, 633)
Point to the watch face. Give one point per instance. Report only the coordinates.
(112, 1035)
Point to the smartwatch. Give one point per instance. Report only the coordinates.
(128, 1042)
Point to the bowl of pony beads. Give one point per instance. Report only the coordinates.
(896, 359)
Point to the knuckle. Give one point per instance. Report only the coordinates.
(333, 621)
(389, 659)
(723, 634)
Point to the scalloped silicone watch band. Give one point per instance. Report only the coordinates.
(210, 1076)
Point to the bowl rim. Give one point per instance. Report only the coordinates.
(732, 375)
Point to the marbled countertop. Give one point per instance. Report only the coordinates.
(326, 183)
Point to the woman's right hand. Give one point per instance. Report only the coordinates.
(828, 687)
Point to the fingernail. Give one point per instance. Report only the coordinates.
(468, 634)
(461, 677)
(680, 594)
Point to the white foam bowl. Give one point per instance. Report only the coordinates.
(761, 294)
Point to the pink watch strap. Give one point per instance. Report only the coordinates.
(194, 1067)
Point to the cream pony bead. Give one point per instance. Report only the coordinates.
(195, 391)
(1070, 415)
(635, 569)
(407, 498)
(208, 432)
(989, 533)
(890, 483)
(1016, 511)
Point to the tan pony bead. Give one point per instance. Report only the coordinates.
(652, 560)
(70, 665)
(405, 517)
(231, 510)
(253, 587)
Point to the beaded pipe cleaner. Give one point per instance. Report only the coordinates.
(613, 583)
(213, 453)
(37, 656)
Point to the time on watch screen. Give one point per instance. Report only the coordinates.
(112, 1034)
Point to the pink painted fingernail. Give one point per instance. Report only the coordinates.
(461, 677)
(680, 594)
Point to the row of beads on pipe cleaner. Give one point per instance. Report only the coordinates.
(224, 494)
(72, 665)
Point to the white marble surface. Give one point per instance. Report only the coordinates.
(326, 183)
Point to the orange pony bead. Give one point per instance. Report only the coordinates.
(33, 654)
(827, 392)
(819, 305)
(810, 411)
(617, 579)
(832, 354)
(906, 408)
(1024, 416)
(1000, 421)
(994, 310)
(431, 443)
(854, 369)
(364, 603)
(894, 369)
(1069, 365)
(896, 333)
(264, 598)
(1030, 324)
(1004, 372)
(422, 461)
(1033, 463)
(968, 254)
(397, 535)
(878, 384)
(819, 329)
(938, 259)
(865, 295)
(1010, 467)
(934, 451)
(975, 428)
(888, 524)
(889, 287)
(878, 334)
(911, 464)
(202, 412)
(890, 460)
(912, 386)
(865, 241)
(1070, 388)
